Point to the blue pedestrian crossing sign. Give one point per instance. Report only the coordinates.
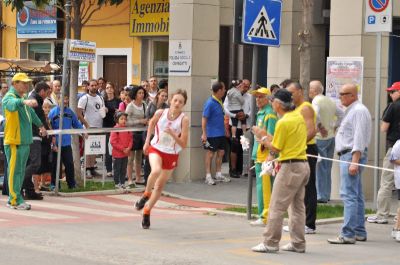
(262, 22)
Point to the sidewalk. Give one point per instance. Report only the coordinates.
(234, 192)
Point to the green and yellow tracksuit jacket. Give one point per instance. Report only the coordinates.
(18, 119)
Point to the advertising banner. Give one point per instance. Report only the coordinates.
(33, 23)
(149, 18)
(342, 70)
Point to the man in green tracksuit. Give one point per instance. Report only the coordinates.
(19, 117)
(265, 121)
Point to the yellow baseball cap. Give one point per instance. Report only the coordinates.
(22, 77)
(261, 90)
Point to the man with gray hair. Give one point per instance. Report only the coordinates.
(290, 142)
(352, 140)
(329, 117)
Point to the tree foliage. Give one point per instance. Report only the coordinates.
(18, 4)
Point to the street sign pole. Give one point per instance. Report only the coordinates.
(377, 112)
(254, 74)
(378, 18)
(64, 86)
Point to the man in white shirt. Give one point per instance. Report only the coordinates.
(329, 117)
(352, 140)
(54, 98)
(153, 89)
(90, 108)
(236, 154)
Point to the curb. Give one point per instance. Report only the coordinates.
(174, 195)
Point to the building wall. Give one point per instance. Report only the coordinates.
(347, 38)
(10, 46)
(109, 28)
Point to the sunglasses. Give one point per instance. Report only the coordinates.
(392, 92)
(344, 94)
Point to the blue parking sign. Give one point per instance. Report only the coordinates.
(262, 22)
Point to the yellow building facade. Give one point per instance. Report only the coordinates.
(120, 55)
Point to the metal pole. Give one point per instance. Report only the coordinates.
(377, 111)
(254, 73)
(64, 86)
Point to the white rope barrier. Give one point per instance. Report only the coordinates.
(345, 162)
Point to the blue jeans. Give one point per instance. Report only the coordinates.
(324, 167)
(353, 198)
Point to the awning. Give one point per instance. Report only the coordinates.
(9, 67)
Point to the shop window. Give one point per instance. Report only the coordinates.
(36, 51)
(160, 59)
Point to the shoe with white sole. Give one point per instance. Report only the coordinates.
(264, 249)
(258, 222)
(291, 248)
(377, 220)
(307, 230)
(222, 179)
(398, 236)
(21, 206)
(209, 181)
(394, 233)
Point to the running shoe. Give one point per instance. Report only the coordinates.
(376, 219)
(146, 221)
(209, 181)
(141, 203)
(21, 206)
(258, 222)
(222, 179)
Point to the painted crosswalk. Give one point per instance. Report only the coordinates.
(101, 208)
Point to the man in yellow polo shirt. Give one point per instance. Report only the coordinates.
(290, 142)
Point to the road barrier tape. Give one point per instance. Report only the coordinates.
(90, 131)
(345, 162)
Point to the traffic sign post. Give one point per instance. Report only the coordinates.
(262, 22)
(378, 18)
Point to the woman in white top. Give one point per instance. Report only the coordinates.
(170, 128)
(136, 111)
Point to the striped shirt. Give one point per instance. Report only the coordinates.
(354, 132)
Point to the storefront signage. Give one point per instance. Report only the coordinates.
(149, 18)
(80, 50)
(180, 58)
(343, 70)
(33, 23)
(95, 145)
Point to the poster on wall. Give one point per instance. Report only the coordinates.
(180, 57)
(342, 70)
(83, 74)
(33, 23)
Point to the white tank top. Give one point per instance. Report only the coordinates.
(162, 141)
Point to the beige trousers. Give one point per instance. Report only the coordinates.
(288, 193)
(386, 188)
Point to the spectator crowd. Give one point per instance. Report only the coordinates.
(289, 133)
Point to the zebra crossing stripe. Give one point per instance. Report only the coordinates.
(35, 214)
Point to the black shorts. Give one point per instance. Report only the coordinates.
(138, 140)
(215, 143)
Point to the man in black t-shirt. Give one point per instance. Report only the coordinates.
(391, 125)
